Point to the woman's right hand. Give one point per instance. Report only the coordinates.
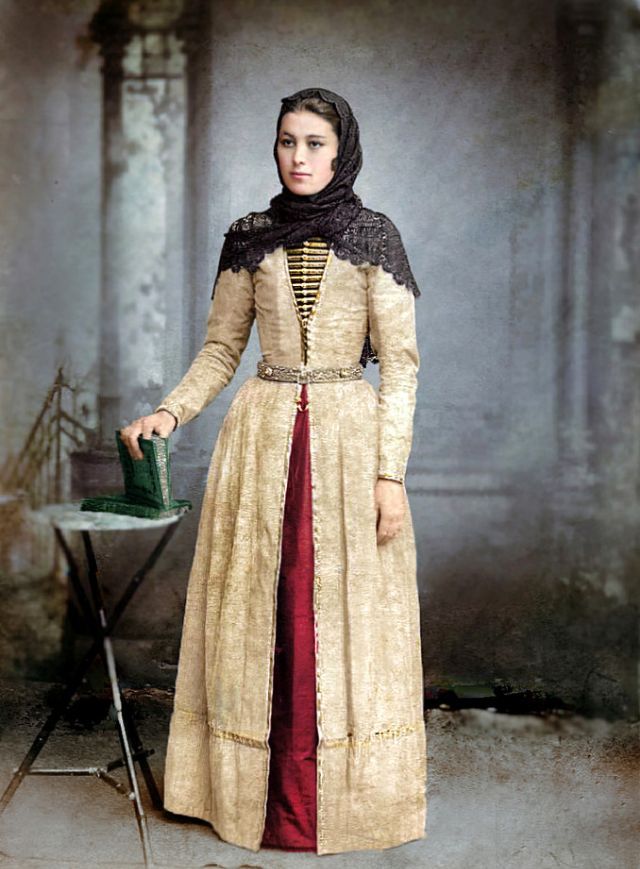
(161, 423)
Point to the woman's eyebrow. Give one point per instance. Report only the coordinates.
(309, 135)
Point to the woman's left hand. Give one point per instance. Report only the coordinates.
(390, 506)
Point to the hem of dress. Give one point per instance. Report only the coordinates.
(292, 848)
(202, 815)
(393, 844)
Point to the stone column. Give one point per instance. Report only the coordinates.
(112, 30)
(581, 27)
(143, 154)
(615, 360)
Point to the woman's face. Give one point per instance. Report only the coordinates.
(307, 144)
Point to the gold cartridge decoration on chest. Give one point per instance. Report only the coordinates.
(306, 263)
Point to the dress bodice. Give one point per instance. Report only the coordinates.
(315, 308)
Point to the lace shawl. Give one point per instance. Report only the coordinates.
(370, 238)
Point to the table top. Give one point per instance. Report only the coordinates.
(70, 517)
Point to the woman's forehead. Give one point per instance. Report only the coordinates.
(305, 122)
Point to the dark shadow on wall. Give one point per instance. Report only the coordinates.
(537, 641)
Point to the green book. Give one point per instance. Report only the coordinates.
(147, 483)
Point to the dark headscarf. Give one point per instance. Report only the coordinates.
(292, 217)
(335, 213)
(331, 209)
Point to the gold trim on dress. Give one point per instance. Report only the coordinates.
(306, 267)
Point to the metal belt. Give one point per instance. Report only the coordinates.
(308, 375)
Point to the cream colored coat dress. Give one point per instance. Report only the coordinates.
(371, 754)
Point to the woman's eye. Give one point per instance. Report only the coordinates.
(287, 142)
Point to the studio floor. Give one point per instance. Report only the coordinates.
(504, 792)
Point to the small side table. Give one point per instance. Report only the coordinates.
(65, 518)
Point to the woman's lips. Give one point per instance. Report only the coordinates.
(300, 174)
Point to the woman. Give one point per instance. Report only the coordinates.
(298, 719)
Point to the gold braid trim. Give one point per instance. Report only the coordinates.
(200, 717)
(350, 740)
(391, 733)
(237, 737)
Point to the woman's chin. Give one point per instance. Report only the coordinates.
(301, 187)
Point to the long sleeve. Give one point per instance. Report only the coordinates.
(393, 336)
(231, 316)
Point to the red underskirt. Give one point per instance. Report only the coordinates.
(292, 796)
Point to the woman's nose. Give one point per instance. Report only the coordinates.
(298, 154)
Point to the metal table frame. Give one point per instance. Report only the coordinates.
(101, 627)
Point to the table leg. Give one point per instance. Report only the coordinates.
(97, 647)
(140, 755)
(98, 600)
(139, 752)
